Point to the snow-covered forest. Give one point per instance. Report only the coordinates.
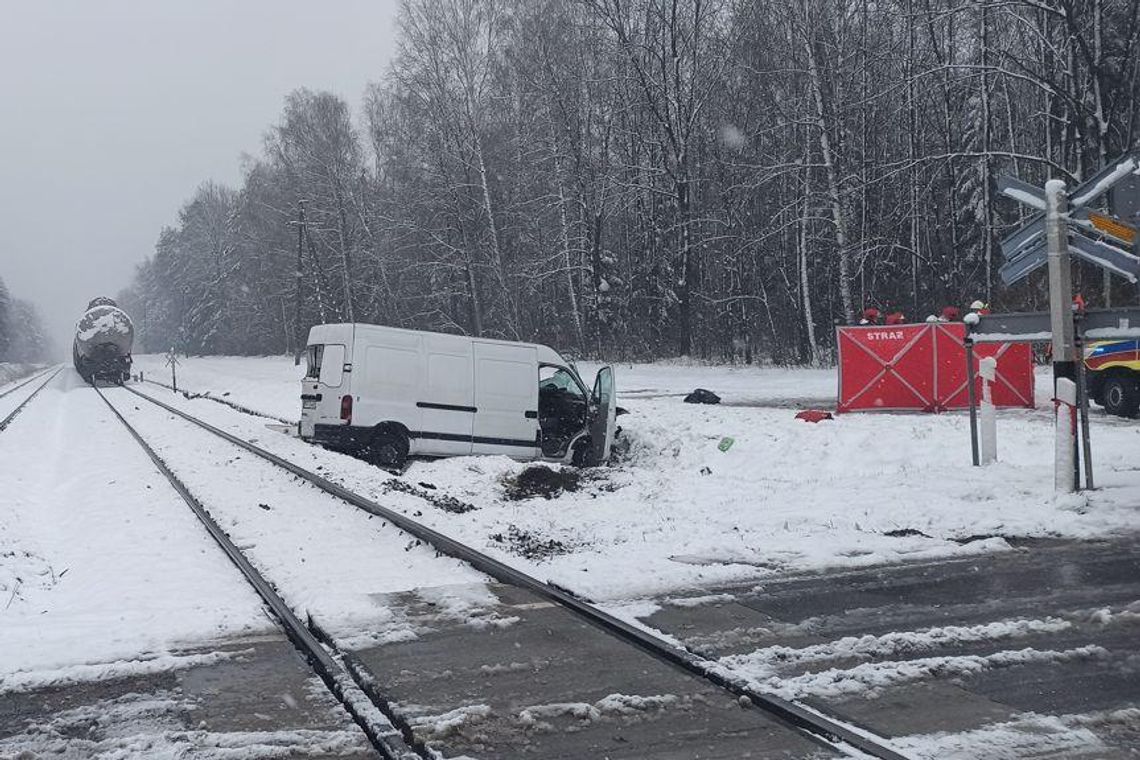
(23, 338)
(717, 178)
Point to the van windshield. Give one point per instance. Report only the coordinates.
(313, 356)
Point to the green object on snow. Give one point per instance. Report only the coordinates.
(726, 443)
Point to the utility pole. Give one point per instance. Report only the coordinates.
(1060, 280)
(297, 337)
(1061, 325)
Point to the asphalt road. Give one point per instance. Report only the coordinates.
(1029, 653)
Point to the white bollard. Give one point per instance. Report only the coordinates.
(987, 369)
(1066, 421)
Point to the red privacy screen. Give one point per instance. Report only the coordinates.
(922, 367)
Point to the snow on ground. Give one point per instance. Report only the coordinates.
(269, 384)
(1026, 735)
(161, 726)
(325, 557)
(99, 558)
(676, 512)
(12, 374)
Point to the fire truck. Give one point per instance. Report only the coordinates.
(1114, 375)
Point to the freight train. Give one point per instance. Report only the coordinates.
(103, 341)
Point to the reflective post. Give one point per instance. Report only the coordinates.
(973, 400)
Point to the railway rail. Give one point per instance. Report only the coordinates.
(835, 733)
(4, 423)
(27, 380)
(358, 697)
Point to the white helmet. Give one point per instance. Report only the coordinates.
(977, 305)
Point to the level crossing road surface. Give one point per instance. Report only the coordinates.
(1033, 651)
(1028, 653)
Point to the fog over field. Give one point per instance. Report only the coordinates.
(114, 112)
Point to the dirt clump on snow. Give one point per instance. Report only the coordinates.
(905, 533)
(540, 480)
(434, 497)
(529, 546)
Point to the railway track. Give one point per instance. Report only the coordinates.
(359, 698)
(4, 423)
(822, 729)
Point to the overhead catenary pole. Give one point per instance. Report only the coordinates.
(1061, 314)
(297, 286)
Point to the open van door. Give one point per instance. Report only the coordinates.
(602, 426)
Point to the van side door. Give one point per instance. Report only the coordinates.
(446, 400)
(506, 400)
(388, 375)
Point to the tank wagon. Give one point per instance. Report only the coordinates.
(103, 341)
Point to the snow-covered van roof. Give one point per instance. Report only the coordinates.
(342, 332)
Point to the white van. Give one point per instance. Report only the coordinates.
(386, 393)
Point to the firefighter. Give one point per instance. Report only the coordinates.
(896, 318)
(870, 316)
(980, 307)
(950, 314)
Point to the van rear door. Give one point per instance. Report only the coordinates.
(506, 400)
(321, 386)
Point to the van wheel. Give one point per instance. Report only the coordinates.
(1121, 395)
(389, 451)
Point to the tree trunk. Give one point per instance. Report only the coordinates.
(821, 123)
(496, 248)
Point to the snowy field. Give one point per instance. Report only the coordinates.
(677, 513)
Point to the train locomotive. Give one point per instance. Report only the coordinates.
(103, 340)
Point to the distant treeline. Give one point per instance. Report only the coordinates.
(640, 178)
(23, 338)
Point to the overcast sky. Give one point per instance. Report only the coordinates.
(113, 112)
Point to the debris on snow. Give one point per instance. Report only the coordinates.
(427, 492)
(905, 533)
(526, 544)
(702, 396)
(540, 480)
